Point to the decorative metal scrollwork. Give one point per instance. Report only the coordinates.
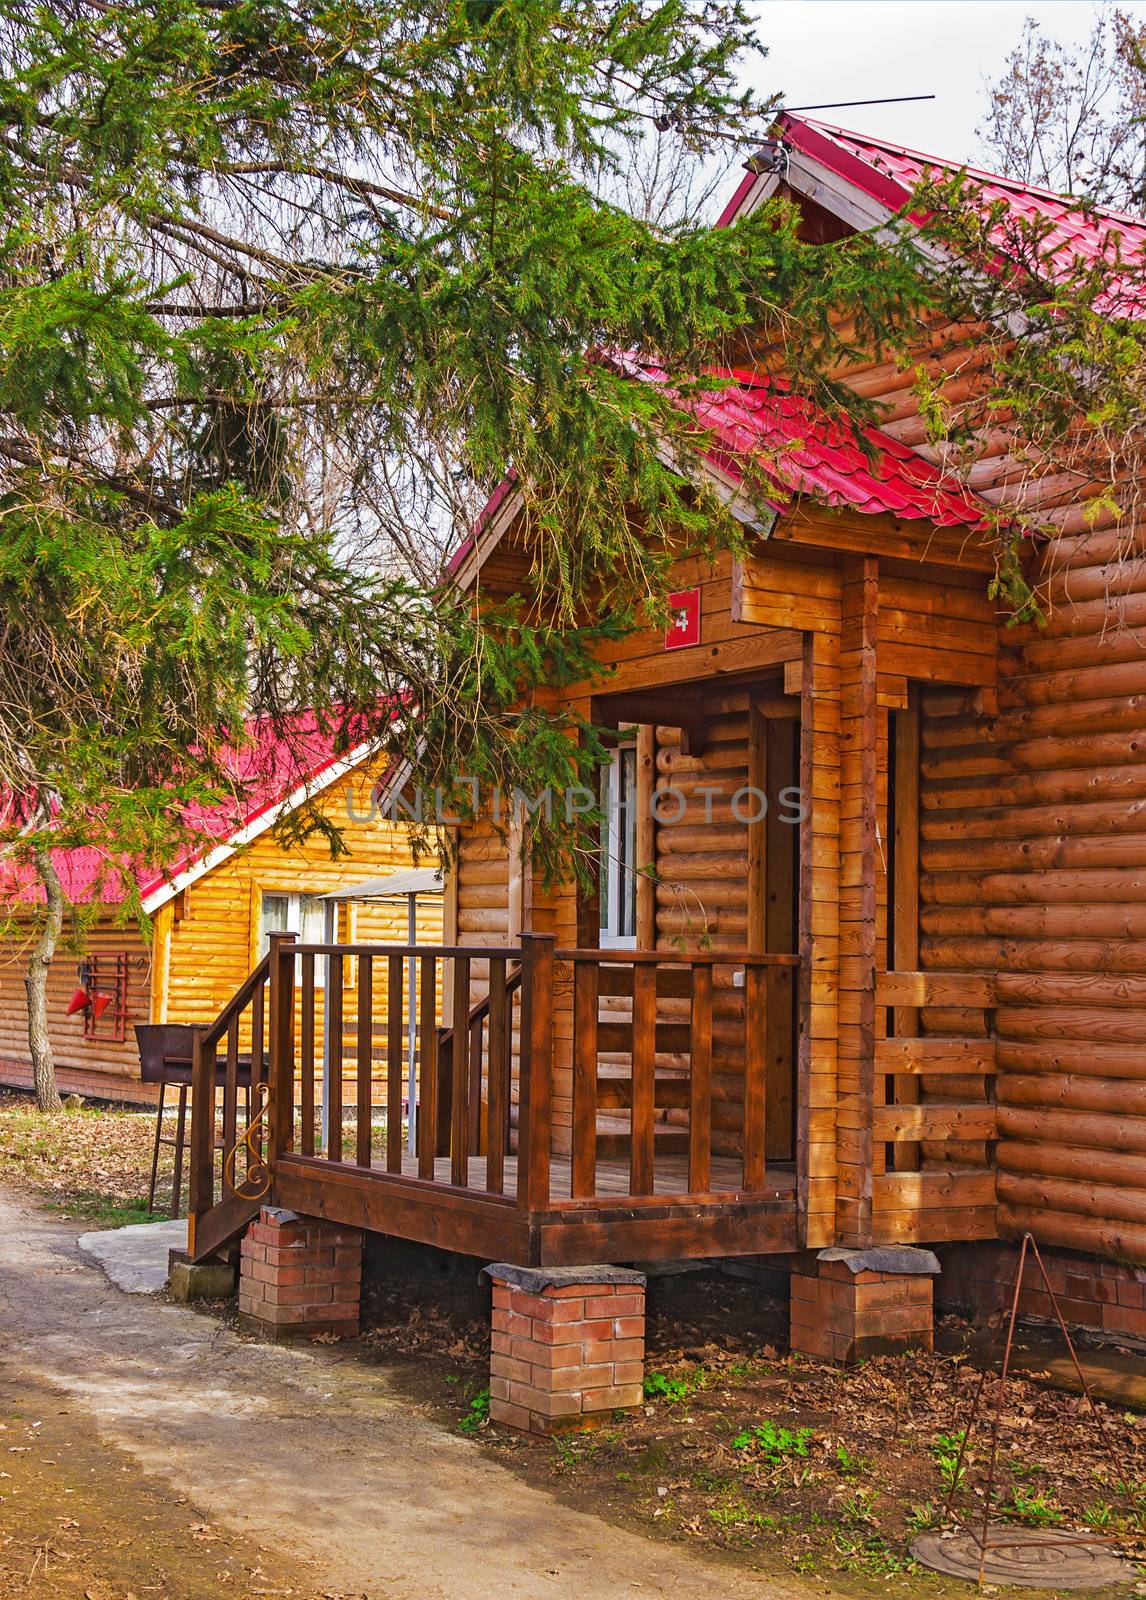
(258, 1176)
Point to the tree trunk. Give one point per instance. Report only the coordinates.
(36, 984)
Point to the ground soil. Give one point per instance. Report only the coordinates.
(850, 1465)
(80, 1521)
(203, 1463)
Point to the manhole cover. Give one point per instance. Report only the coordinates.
(1039, 1558)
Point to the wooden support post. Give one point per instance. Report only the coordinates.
(646, 838)
(280, 1072)
(537, 980)
(201, 1179)
(819, 939)
(905, 897)
(858, 846)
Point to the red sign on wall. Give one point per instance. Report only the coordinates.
(684, 629)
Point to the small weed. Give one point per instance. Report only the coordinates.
(710, 1482)
(729, 1516)
(565, 1450)
(945, 1448)
(658, 1386)
(851, 1466)
(920, 1519)
(872, 1554)
(1101, 1516)
(772, 1442)
(858, 1509)
(1033, 1508)
(477, 1416)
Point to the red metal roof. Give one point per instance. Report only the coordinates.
(264, 773)
(800, 450)
(889, 172)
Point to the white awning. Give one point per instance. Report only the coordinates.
(418, 880)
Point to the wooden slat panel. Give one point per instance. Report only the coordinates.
(615, 1094)
(395, 1062)
(364, 1058)
(583, 1179)
(616, 1038)
(334, 1097)
(934, 1121)
(231, 1088)
(755, 1072)
(459, 1076)
(644, 1077)
(935, 989)
(473, 1091)
(918, 1056)
(306, 1053)
(700, 1083)
(931, 1191)
(673, 983)
(497, 1070)
(258, 1013)
(427, 1066)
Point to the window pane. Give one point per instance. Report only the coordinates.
(627, 832)
(274, 918)
(312, 919)
(605, 887)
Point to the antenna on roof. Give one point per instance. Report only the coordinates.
(845, 105)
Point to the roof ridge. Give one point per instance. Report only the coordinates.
(951, 164)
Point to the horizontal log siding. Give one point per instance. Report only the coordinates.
(95, 1066)
(1034, 862)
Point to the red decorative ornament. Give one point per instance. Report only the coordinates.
(80, 1001)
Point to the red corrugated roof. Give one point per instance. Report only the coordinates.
(890, 172)
(264, 772)
(801, 451)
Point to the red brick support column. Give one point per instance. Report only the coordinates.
(568, 1346)
(298, 1275)
(847, 1305)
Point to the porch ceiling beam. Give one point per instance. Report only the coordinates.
(678, 708)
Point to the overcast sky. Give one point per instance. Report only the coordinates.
(861, 49)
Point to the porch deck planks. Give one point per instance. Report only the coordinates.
(670, 1177)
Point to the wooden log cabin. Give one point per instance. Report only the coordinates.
(899, 1007)
(209, 917)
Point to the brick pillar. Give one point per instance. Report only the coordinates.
(298, 1275)
(568, 1346)
(847, 1305)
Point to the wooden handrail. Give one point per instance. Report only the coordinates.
(443, 952)
(676, 958)
(480, 1008)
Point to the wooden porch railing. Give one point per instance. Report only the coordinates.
(241, 1027)
(483, 1103)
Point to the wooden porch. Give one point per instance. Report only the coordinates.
(488, 1173)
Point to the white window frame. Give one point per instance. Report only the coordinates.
(618, 880)
(294, 899)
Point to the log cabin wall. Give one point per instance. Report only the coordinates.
(96, 1065)
(1034, 855)
(205, 941)
(1033, 847)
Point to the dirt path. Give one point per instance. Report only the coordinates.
(200, 1435)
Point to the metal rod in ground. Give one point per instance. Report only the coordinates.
(1085, 1387)
(991, 1459)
